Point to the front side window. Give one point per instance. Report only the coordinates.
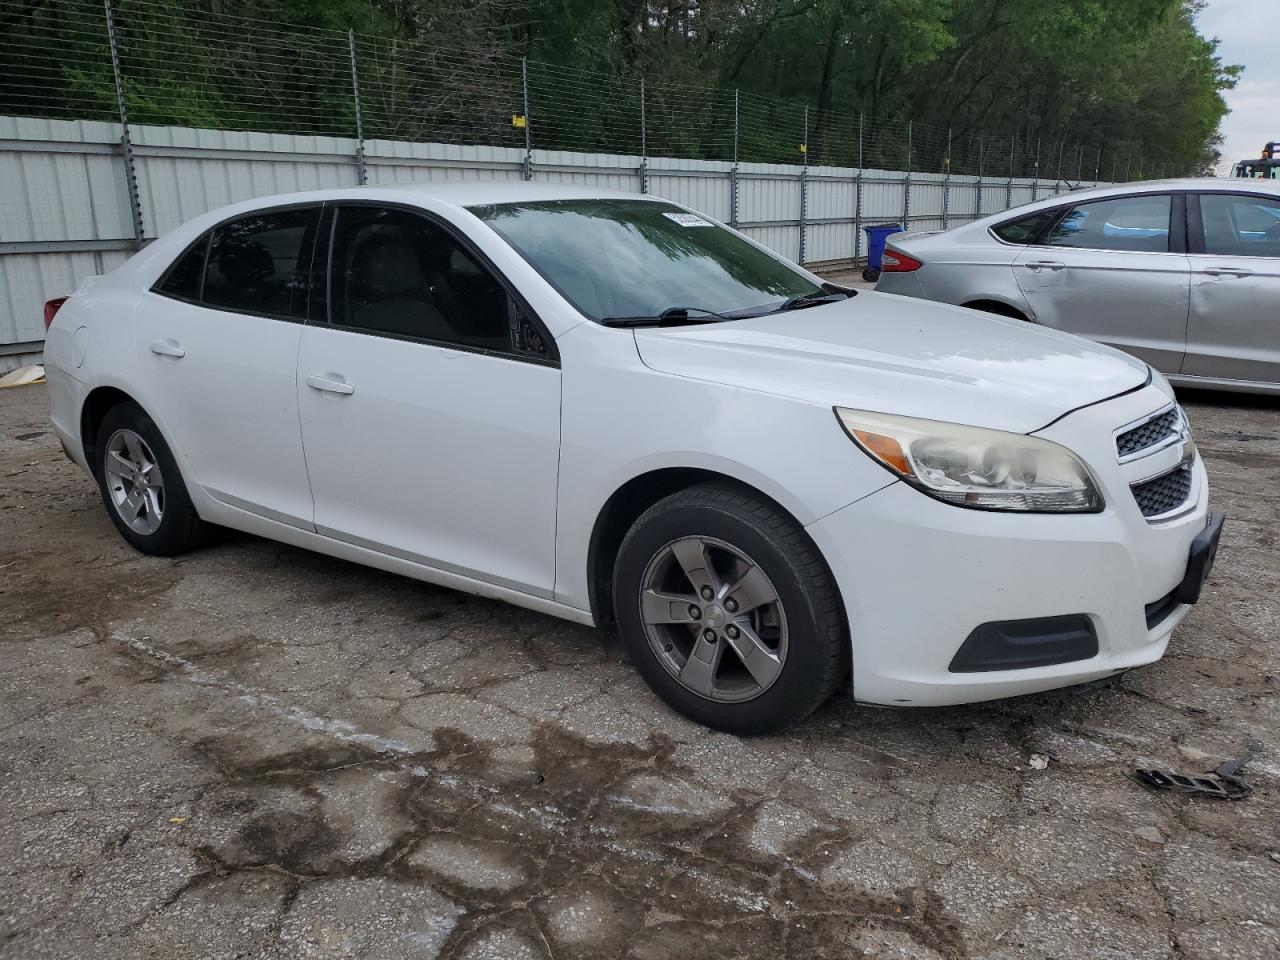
(1240, 226)
(261, 263)
(1026, 229)
(1138, 223)
(637, 258)
(397, 273)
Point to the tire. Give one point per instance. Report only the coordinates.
(149, 505)
(797, 643)
(870, 274)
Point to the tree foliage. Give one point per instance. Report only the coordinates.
(987, 84)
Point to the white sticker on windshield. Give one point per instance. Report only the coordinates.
(688, 220)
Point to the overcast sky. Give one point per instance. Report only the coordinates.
(1250, 35)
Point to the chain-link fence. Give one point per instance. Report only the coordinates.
(175, 66)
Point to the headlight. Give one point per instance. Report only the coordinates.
(976, 467)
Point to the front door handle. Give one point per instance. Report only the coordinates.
(329, 385)
(167, 348)
(1228, 272)
(1045, 265)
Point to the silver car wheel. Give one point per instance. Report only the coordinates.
(134, 482)
(713, 619)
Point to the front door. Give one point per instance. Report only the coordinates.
(431, 432)
(1113, 270)
(1234, 332)
(217, 343)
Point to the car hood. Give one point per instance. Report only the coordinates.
(904, 356)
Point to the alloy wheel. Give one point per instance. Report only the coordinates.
(134, 482)
(713, 619)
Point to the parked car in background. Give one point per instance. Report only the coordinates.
(611, 409)
(1182, 273)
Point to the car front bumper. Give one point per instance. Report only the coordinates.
(919, 576)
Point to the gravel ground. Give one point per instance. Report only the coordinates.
(253, 751)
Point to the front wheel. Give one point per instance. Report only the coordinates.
(728, 610)
(141, 486)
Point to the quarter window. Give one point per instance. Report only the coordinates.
(261, 263)
(1139, 223)
(1240, 226)
(1026, 229)
(397, 273)
(183, 278)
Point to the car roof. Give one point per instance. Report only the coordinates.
(459, 194)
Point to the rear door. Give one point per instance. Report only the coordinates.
(430, 402)
(218, 345)
(1115, 270)
(1234, 331)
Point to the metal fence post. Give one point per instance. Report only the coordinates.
(126, 144)
(857, 200)
(1057, 181)
(733, 174)
(1008, 186)
(1035, 183)
(906, 191)
(644, 144)
(526, 171)
(355, 97)
(1127, 160)
(981, 158)
(946, 186)
(1097, 165)
(804, 186)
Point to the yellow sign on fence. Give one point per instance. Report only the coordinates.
(517, 121)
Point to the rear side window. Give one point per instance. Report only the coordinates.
(1138, 223)
(1026, 229)
(1240, 226)
(183, 278)
(262, 263)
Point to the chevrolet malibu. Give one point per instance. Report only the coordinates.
(613, 409)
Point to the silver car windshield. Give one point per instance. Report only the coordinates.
(639, 258)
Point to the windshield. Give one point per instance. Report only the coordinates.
(638, 258)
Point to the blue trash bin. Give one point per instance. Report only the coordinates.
(877, 234)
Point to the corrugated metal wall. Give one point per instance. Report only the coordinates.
(64, 207)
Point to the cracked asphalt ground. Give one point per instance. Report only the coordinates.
(257, 752)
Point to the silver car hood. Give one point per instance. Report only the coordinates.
(904, 356)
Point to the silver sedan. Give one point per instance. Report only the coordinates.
(1182, 273)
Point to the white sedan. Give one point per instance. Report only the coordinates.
(612, 409)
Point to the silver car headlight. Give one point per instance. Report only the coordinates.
(975, 467)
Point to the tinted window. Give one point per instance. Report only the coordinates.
(260, 263)
(636, 258)
(1120, 223)
(1026, 229)
(183, 278)
(1240, 226)
(396, 272)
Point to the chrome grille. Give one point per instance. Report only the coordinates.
(1145, 435)
(1164, 493)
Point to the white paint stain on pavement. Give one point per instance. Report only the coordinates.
(342, 730)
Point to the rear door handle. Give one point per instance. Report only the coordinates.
(167, 348)
(328, 385)
(1228, 272)
(1046, 265)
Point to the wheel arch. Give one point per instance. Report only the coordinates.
(1000, 308)
(99, 402)
(625, 505)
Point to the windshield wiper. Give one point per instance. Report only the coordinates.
(671, 315)
(810, 300)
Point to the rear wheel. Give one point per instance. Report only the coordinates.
(728, 611)
(141, 485)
